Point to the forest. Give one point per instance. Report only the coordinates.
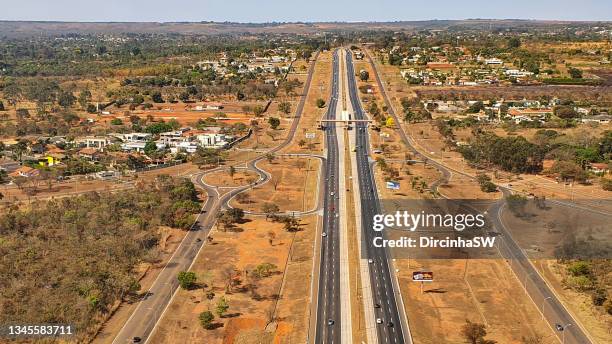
(69, 260)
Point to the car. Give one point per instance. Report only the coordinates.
(198, 240)
(136, 340)
(390, 324)
(379, 321)
(377, 305)
(324, 234)
(330, 322)
(370, 260)
(331, 193)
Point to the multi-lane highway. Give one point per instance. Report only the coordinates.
(328, 326)
(388, 320)
(537, 289)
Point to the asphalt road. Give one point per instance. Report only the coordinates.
(386, 309)
(537, 289)
(328, 300)
(151, 307)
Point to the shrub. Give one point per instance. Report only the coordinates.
(206, 318)
(187, 279)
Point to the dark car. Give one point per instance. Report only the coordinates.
(136, 340)
(390, 324)
(330, 322)
(377, 305)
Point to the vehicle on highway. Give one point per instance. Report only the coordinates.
(330, 322)
(379, 321)
(324, 234)
(136, 340)
(377, 305)
(370, 260)
(390, 324)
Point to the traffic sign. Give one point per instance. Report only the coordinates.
(422, 276)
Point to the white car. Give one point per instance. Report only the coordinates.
(378, 320)
(370, 261)
(324, 234)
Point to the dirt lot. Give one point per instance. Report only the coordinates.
(482, 291)
(224, 179)
(290, 177)
(234, 254)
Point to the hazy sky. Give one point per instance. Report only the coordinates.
(300, 10)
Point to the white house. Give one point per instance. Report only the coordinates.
(213, 140)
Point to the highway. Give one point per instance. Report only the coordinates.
(537, 289)
(328, 325)
(381, 280)
(150, 308)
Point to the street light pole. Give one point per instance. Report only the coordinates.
(563, 335)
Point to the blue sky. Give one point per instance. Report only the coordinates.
(300, 10)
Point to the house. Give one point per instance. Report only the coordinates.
(493, 61)
(90, 154)
(137, 137)
(601, 119)
(139, 146)
(94, 142)
(25, 171)
(517, 73)
(440, 65)
(213, 140)
(541, 114)
(185, 146)
(599, 168)
(50, 159)
(214, 106)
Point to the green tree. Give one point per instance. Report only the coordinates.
(284, 107)
(66, 99)
(150, 147)
(579, 268)
(274, 122)
(320, 103)
(187, 279)
(206, 318)
(258, 110)
(116, 121)
(485, 183)
(264, 270)
(475, 333)
(84, 98)
(364, 75)
(575, 73)
(514, 43)
(222, 307)
(156, 97)
(270, 209)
